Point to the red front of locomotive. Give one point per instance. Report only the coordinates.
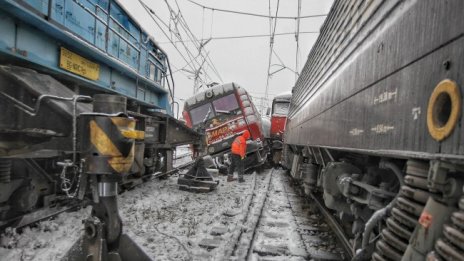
(223, 112)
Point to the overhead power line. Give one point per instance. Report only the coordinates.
(297, 38)
(257, 15)
(199, 45)
(245, 36)
(151, 14)
(193, 63)
(271, 49)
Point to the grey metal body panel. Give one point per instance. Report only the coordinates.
(367, 81)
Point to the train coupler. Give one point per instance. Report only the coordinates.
(197, 179)
(107, 144)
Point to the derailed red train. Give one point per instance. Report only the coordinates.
(223, 112)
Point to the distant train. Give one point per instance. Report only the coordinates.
(279, 112)
(55, 56)
(224, 112)
(375, 127)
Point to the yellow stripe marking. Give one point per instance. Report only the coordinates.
(106, 147)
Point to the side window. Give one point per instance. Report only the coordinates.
(158, 75)
(152, 71)
(281, 108)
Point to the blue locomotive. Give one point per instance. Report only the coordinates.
(93, 43)
(55, 55)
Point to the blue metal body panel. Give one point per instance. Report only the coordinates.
(99, 30)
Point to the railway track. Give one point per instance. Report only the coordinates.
(272, 221)
(276, 223)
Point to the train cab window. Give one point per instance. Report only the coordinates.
(226, 105)
(158, 75)
(280, 108)
(199, 114)
(152, 71)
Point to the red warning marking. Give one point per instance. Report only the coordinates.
(425, 219)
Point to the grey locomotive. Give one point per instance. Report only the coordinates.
(374, 128)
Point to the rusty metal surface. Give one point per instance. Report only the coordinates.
(368, 79)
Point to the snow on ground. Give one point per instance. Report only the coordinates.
(169, 224)
(166, 222)
(47, 241)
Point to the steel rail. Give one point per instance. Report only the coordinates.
(336, 228)
(258, 219)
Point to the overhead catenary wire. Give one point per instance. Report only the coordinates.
(153, 15)
(199, 45)
(271, 49)
(250, 36)
(256, 15)
(177, 18)
(187, 29)
(297, 38)
(211, 26)
(150, 12)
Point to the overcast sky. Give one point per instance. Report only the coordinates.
(244, 61)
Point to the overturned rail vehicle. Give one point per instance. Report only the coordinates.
(58, 59)
(375, 127)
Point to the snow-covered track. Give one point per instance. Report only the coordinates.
(243, 245)
(264, 218)
(291, 227)
(277, 222)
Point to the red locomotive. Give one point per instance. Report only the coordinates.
(280, 106)
(224, 112)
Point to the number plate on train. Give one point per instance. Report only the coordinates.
(79, 65)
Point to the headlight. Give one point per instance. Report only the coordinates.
(211, 149)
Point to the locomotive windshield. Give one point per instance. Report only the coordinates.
(226, 105)
(199, 114)
(281, 108)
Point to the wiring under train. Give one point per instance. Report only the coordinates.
(68, 183)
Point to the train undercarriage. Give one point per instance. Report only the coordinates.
(389, 208)
(41, 133)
